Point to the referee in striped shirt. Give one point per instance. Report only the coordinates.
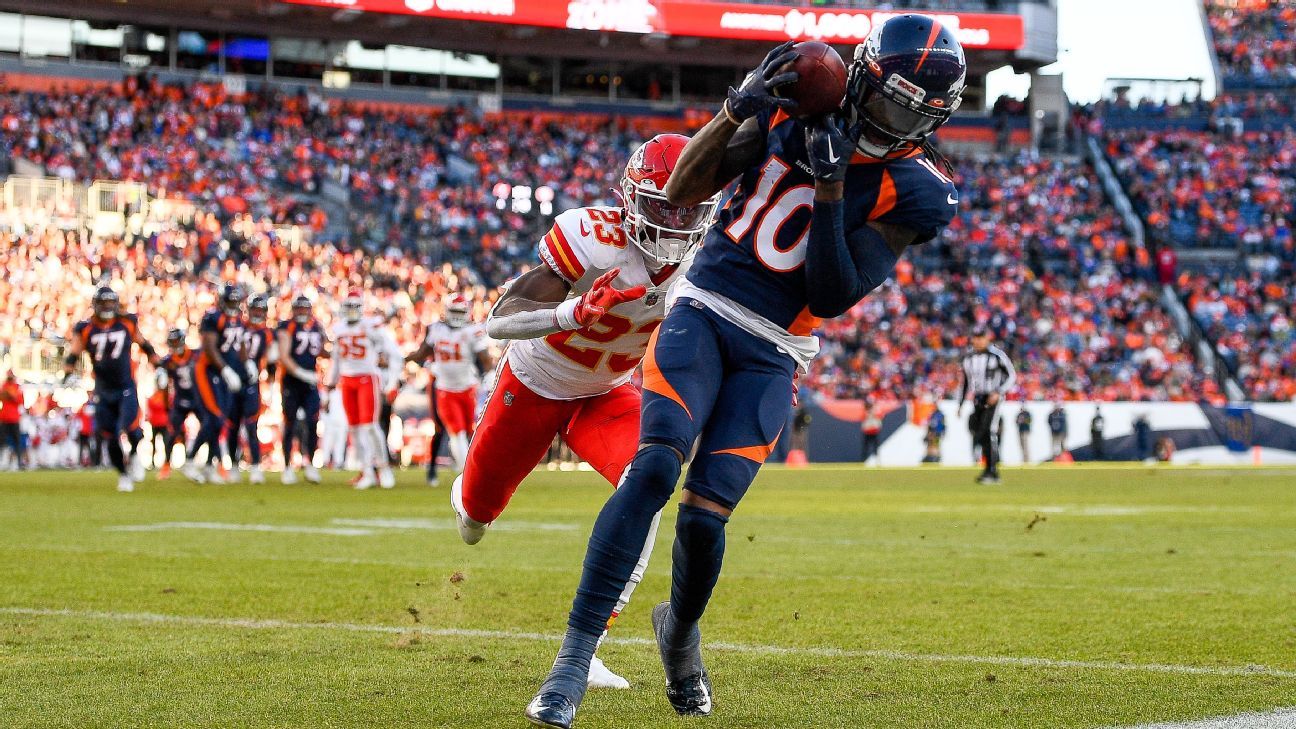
(988, 375)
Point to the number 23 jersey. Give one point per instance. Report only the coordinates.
(583, 244)
(754, 254)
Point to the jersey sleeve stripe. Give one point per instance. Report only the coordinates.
(886, 198)
(805, 324)
(565, 259)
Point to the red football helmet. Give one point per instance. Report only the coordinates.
(458, 310)
(665, 233)
(353, 306)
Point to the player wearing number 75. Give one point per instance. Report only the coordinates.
(821, 212)
(578, 325)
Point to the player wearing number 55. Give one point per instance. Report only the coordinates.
(822, 210)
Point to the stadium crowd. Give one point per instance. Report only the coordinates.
(1255, 41)
(1038, 257)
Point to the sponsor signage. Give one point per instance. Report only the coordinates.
(986, 31)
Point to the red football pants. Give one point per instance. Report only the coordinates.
(456, 409)
(518, 426)
(360, 398)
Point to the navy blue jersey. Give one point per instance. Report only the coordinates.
(108, 344)
(755, 252)
(180, 372)
(305, 343)
(256, 343)
(229, 331)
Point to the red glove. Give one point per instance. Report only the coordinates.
(593, 304)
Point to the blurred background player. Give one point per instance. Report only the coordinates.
(988, 376)
(360, 345)
(245, 404)
(580, 324)
(158, 416)
(178, 366)
(458, 351)
(719, 373)
(11, 412)
(300, 342)
(108, 337)
(218, 376)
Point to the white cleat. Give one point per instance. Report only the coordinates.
(470, 530)
(386, 478)
(434, 482)
(136, 468)
(194, 472)
(212, 474)
(256, 475)
(289, 476)
(312, 473)
(125, 483)
(365, 481)
(602, 678)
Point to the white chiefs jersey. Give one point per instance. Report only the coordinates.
(454, 355)
(583, 244)
(358, 348)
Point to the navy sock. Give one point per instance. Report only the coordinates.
(115, 454)
(696, 560)
(614, 548)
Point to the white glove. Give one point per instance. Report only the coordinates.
(161, 379)
(309, 378)
(231, 378)
(254, 374)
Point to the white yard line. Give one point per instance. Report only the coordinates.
(228, 527)
(748, 648)
(446, 524)
(1277, 719)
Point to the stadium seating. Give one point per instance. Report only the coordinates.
(1255, 41)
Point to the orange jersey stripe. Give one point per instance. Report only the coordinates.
(564, 254)
(752, 453)
(655, 381)
(805, 324)
(886, 198)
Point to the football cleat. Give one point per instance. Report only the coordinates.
(688, 687)
(366, 480)
(289, 476)
(433, 482)
(471, 531)
(551, 709)
(164, 472)
(312, 473)
(256, 475)
(987, 479)
(214, 475)
(386, 478)
(136, 468)
(194, 472)
(601, 677)
(125, 483)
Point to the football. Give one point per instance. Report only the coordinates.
(822, 79)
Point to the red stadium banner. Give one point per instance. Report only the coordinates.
(985, 31)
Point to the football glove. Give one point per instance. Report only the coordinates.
(253, 373)
(830, 142)
(231, 378)
(593, 304)
(756, 93)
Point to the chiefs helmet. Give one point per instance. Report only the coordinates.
(301, 309)
(665, 233)
(231, 298)
(905, 82)
(259, 309)
(458, 311)
(105, 303)
(176, 341)
(353, 306)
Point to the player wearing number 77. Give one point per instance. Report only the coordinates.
(822, 210)
(578, 325)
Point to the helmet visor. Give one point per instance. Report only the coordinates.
(890, 121)
(653, 208)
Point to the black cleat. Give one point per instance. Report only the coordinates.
(551, 709)
(688, 687)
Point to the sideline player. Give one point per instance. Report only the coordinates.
(218, 376)
(300, 342)
(457, 349)
(108, 336)
(821, 213)
(179, 368)
(580, 324)
(360, 376)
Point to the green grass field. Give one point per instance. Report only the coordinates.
(850, 598)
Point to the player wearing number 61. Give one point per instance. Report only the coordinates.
(822, 210)
(578, 325)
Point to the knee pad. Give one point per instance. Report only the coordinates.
(654, 470)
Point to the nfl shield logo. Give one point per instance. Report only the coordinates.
(651, 298)
(508, 398)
